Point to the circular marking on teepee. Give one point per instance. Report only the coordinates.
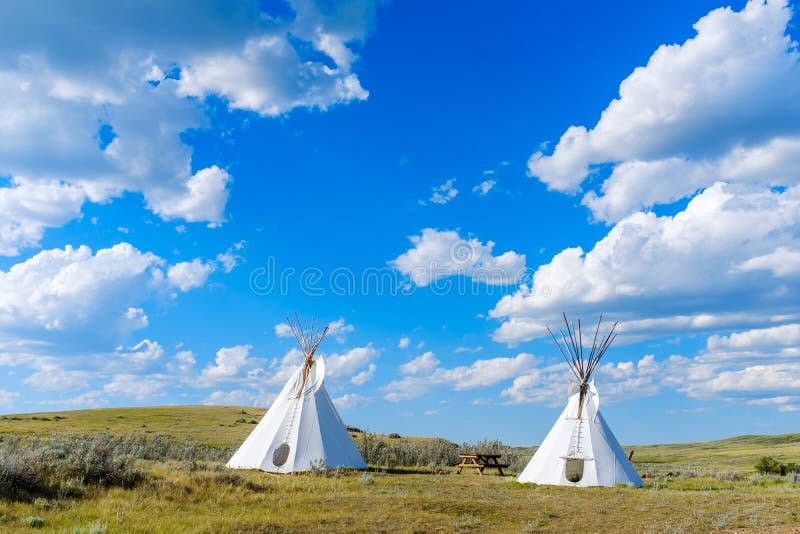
(573, 469)
(280, 455)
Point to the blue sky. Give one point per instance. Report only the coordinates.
(636, 159)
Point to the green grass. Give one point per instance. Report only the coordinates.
(215, 425)
(691, 489)
(738, 453)
(220, 426)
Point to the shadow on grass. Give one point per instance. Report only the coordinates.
(428, 471)
(403, 471)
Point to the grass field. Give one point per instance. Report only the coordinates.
(700, 487)
(216, 425)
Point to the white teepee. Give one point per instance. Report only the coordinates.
(302, 428)
(580, 449)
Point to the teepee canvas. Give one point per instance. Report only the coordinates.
(580, 449)
(302, 428)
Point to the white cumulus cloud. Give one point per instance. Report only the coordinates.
(484, 187)
(425, 373)
(442, 194)
(188, 275)
(440, 254)
(349, 401)
(229, 364)
(725, 104)
(89, 123)
(81, 297)
(350, 363)
(27, 208)
(670, 274)
(7, 397)
(61, 289)
(421, 364)
(364, 376)
(136, 386)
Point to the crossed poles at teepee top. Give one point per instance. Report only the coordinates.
(309, 339)
(582, 367)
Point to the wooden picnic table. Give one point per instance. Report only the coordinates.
(481, 461)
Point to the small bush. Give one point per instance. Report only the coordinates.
(232, 479)
(394, 435)
(229, 478)
(767, 465)
(95, 527)
(33, 521)
(71, 489)
(729, 475)
(531, 526)
(466, 522)
(721, 521)
(41, 503)
(191, 466)
(20, 477)
(319, 467)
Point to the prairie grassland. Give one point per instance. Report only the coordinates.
(222, 426)
(175, 498)
(228, 426)
(738, 453)
(182, 486)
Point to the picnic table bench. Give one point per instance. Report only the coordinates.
(480, 462)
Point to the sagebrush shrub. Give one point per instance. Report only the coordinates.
(62, 466)
(33, 521)
(432, 453)
(21, 477)
(95, 527)
(377, 451)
